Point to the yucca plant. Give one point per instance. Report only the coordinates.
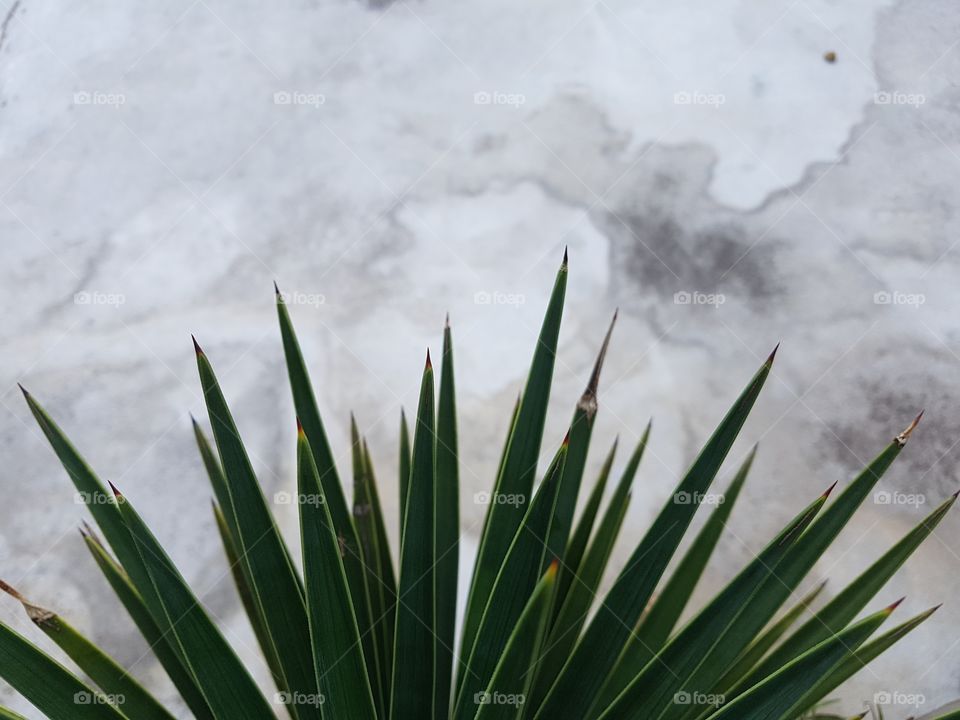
(346, 635)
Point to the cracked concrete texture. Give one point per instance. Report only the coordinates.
(388, 162)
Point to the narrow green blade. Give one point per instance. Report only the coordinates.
(517, 578)
(99, 502)
(506, 695)
(341, 672)
(446, 543)
(238, 568)
(657, 625)
(380, 578)
(7, 714)
(308, 411)
(864, 655)
(519, 467)
(581, 429)
(414, 663)
(581, 534)
(791, 570)
(759, 647)
(836, 614)
(404, 464)
(386, 578)
(784, 694)
(246, 597)
(50, 687)
(160, 644)
(116, 682)
(654, 690)
(576, 605)
(218, 482)
(578, 684)
(227, 686)
(305, 404)
(273, 581)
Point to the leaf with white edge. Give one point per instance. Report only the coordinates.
(581, 679)
(341, 671)
(50, 687)
(224, 681)
(509, 687)
(785, 694)
(112, 679)
(519, 467)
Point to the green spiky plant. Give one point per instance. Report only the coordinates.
(351, 637)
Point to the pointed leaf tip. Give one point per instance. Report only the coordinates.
(429, 365)
(25, 392)
(301, 434)
(554, 566)
(589, 399)
(829, 490)
(902, 438)
(10, 591)
(196, 345)
(566, 258)
(893, 606)
(956, 494)
(772, 355)
(276, 289)
(113, 487)
(446, 322)
(566, 439)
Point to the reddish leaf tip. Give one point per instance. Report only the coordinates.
(893, 606)
(772, 355)
(566, 439)
(300, 433)
(554, 566)
(429, 365)
(113, 487)
(196, 345)
(829, 490)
